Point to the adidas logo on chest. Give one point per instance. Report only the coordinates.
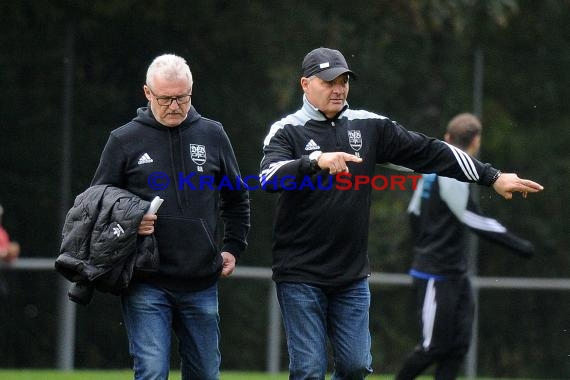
(312, 145)
(145, 159)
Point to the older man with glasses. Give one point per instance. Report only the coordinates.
(171, 141)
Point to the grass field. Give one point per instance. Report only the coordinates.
(17, 374)
(126, 375)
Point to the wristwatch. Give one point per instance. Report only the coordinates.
(496, 177)
(314, 158)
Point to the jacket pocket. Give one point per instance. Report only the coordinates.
(186, 247)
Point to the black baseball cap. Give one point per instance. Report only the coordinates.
(326, 64)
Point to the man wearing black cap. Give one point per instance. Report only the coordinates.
(320, 260)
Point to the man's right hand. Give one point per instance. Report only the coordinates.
(147, 224)
(336, 162)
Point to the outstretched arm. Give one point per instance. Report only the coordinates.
(509, 183)
(492, 230)
(456, 195)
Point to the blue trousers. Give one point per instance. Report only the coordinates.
(151, 313)
(311, 314)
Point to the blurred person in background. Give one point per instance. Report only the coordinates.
(442, 212)
(9, 250)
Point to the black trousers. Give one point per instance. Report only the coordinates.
(445, 312)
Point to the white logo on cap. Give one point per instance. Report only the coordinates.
(324, 65)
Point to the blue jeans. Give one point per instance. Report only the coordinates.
(150, 312)
(311, 313)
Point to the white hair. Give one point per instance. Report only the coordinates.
(170, 67)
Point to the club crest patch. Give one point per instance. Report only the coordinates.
(198, 154)
(355, 139)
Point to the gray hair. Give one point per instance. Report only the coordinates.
(170, 67)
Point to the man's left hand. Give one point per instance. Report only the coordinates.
(508, 183)
(228, 264)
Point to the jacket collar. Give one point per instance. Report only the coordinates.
(314, 113)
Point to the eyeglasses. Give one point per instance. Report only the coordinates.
(167, 100)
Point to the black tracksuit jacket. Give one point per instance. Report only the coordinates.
(189, 161)
(321, 236)
(442, 212)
